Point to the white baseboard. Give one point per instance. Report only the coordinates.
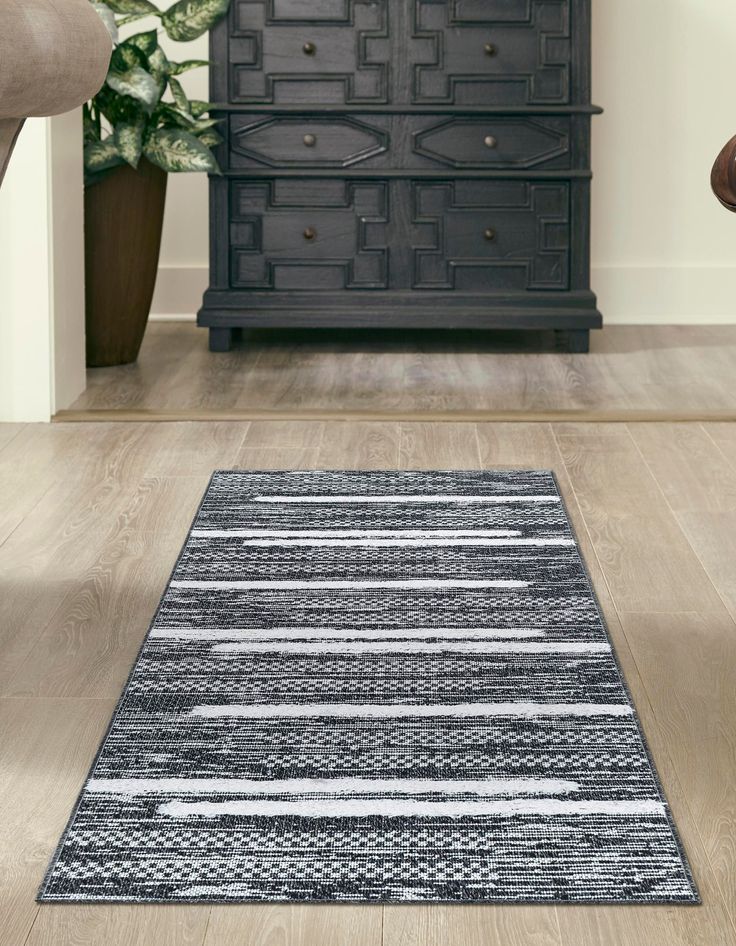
(627, 295)
(178, 293)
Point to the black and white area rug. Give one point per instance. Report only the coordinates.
(375, 687)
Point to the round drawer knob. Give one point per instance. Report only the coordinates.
(489, 234)
(310, 140)
(490, 142)
(309, 49)
(310, 233)
(489, 49)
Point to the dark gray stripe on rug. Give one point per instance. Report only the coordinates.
(375, 687)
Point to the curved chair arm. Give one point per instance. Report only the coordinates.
(54, 55)
(723, 176)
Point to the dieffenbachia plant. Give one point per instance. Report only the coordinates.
(129, 118)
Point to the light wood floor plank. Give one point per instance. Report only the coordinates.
(192, 449)
(90, 640)
(360, 446)
(691, 471)
(648, 562)
(295, 925)
(688, 665)
(119, 925)
(439, 447)
(425, 925)
(642, 367)
(724, 436)
(40, 459)
(150, 376)
(8, 432)
(288, 445)
(699, 485)
(47, 746)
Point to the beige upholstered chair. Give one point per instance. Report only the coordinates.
(53, 56)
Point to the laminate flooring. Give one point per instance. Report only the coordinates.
(669, 370)
(92, 518)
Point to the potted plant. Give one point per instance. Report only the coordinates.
(139, 127)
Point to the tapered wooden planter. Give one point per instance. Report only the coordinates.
(123, 219)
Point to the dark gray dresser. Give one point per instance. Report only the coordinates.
(399, 163)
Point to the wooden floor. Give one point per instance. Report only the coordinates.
(672, 370)
(93, 515)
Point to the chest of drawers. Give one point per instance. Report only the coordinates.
(402, 163)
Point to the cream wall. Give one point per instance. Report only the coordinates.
(42, 271)
(663, 249)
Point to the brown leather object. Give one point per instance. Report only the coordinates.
(723, 176)
(54, 55)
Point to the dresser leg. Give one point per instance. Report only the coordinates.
(221, 339)
(573, 340)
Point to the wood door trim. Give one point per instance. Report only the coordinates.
(143, 415)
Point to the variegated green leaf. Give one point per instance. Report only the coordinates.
(188, 19)
(211, 138)
(140, 7)
(176, 150)
(147, 42)
(158, 63)
(123, 21)
(126, 56)
(180, 96)
(198, 107)
(176, 68)
(101, 155)
(136, 83)
(108, 18)
(203, 124)
(167, 115)
(129, 142)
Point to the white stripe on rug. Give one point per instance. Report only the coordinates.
(355, 533)
(395, 710)
(409, 808)
(399, 647)
(336, 633)
(434, 499)
(334, 786)
(394, 543)
(417, 584)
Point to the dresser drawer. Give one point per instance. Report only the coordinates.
(322, 235)
(492, 142)
(490, 52)
(309, 51)
(327, 234)
(402, 141)
(489, 236)
(338, 52)
(283, 142)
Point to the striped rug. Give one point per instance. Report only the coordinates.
(375, 687)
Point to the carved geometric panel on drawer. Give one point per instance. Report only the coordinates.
(311, 51)
(305, 142)
(324, 234)
(486, 236)
(478, 52)
(495, 142)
